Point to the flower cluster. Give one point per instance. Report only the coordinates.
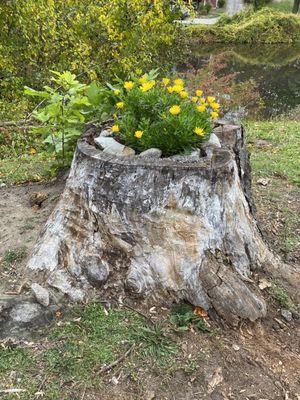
(161, 113)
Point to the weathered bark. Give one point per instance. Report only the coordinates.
(162, 229)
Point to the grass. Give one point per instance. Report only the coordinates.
(25, 168)
(14, 255)
(285, 6)
(282, 297)
(78, 346)
(281, 157)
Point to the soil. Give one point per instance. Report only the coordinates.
(256, 361)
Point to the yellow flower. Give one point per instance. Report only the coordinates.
(115, 116)
(32, 151)
(117, 92)
(143, 79)
(201, 108)
(199, 93)
(194, 99)
(215, 106)
(120, 104)
(202, 100)
(147, 86)
(170, 89)
(128, 85)
(115, 128)
(184, 94)
(214, 115)
(138, 134)
(177, 88)
(178, 82)
(175, 110)
(166, 81)
(210, 99)
(199, 131)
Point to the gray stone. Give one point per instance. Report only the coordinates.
(214, 140)
(286, 314)
(41, 294)
(105, 133)
(25, 313)
(127, 151)
(151, 153)
(111, 146)
(97, 274)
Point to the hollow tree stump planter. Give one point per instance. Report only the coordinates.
(163, 229)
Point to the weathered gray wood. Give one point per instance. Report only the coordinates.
(159, 228)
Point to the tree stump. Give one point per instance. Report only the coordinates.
(163, 229)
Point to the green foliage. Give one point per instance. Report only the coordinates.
(66, 107)
(183, 317)
(161, 114)
(264, 26)
(83, 36)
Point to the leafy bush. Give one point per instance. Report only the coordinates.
(264, 26)
(204, 9)
(221, 3)
(83, 36)
(161, 114)
(66, 106)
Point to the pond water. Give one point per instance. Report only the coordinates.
(272, 71)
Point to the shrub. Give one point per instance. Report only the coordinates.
(66, 106)
(161, 114)
(221, 3)
(204, 9)
(264, 26)
(97, 39)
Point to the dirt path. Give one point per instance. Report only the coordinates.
(21, 220)
(200, 21)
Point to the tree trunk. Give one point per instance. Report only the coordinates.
(158, 228)
(296, 6)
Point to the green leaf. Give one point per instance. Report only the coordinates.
(36, 93)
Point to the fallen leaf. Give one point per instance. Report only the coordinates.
(263, 284)
(200, 312)
(263, 181)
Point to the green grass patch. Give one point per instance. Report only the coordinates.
(285, 6)
(281, 296)
(79, 345)
(25, 168)
(264, 26)
(280, 156)
(14, 255)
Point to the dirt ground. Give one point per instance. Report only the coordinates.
(258, 361)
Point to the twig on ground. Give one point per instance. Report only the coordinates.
(7, 391)
(118, 361)
(83, 393)
(138, 312)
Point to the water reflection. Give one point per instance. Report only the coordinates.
(273, 70)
